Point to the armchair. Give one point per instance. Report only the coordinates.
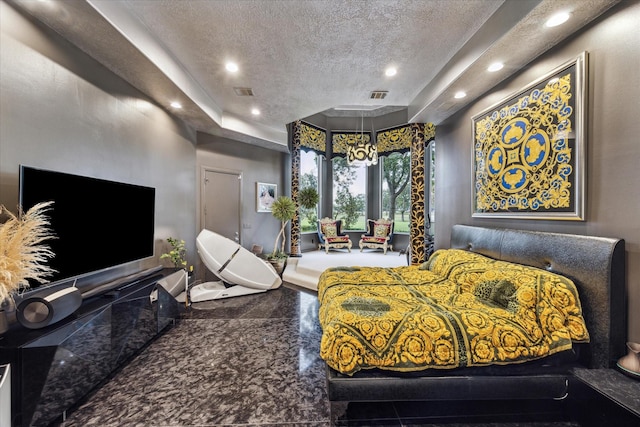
(330, 235)
(379, 235)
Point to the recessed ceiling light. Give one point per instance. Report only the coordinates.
(459, 95)
(390, 72)
(495, 66)
(231, 67)
(558, 19)
(175, 104)
(255, 112)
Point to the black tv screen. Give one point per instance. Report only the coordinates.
(98, 224)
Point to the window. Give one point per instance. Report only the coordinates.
(396, 193)
(309, 177)
(349, 194)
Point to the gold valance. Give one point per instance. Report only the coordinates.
(313, 138)
(398, 139)
(394, 140)
(429, 132)
(340, 141)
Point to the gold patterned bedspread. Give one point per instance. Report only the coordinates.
(458, 309)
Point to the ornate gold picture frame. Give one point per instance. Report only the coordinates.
(529, 150)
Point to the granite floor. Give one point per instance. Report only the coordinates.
(253, 361)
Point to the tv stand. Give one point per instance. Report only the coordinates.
(54, 367)
(121, 283)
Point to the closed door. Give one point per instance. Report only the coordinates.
(221, 202)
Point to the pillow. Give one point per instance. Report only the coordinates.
(443, 261)
(496, 292)
(425, 265)
(552, 297)
(380, 230)
(330, 229)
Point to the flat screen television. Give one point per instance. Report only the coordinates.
(98, 224)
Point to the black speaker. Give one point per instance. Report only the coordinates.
(41, 310)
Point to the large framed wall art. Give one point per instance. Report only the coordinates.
(529, 149)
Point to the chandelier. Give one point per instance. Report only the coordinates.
(362, 149)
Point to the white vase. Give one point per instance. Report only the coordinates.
(630, 364)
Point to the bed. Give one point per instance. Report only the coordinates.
(596, 266)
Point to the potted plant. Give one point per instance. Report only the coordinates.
(177, 253)
(283, 209)
(23, 255)
(308, 199)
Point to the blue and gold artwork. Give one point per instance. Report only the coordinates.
(525, 151)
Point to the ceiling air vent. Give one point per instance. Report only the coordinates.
(379, 94)
(243, 91)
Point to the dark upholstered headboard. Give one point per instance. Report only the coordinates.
(595, 264)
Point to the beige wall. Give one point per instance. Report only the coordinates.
(613, 144)
(63, 111)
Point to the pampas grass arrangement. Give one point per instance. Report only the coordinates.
(22, 252)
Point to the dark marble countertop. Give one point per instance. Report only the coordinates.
(620, 388)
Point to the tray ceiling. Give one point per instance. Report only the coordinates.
(300, 58)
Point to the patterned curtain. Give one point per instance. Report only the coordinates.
(309, 138)
(421, 135)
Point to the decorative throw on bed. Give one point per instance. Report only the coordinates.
(458, 309)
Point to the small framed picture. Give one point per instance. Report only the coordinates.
(266, 194)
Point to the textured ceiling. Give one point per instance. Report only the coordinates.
(305, 57)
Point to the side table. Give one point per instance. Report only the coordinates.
(604, 397)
